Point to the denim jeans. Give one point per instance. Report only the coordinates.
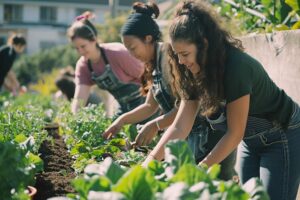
(202, 140)
(273, 156)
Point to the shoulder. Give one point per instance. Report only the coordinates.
(81, 62)
(81, 66)
(113, 48)
(118, 54)
(5, 49)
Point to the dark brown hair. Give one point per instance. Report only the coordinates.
(17, 39)
(197, 24)
(83, 28)
(152, 10)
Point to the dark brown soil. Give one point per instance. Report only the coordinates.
(55, 180)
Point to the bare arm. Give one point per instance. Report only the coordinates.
(11, 82)
(237, 114)
(138, 114)
(141, 112)
(179, 129)
(81, 96)
(150, 129)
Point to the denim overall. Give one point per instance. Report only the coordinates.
(198, 135)
(127, 94)
(271, 153)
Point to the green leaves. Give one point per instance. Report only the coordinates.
(137, 183)
(185, 180)
(190, 174)
(94, 183)
(107, 168)
(261, 15)
(15, 170)
(295, 4)
(178, 153)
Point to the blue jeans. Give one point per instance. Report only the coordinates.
(273, 156)
(202, 140)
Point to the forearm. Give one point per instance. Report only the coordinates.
(13, 80)
(165, 120)
(171, 134)
(81, 96)
(224, 147)
(77, 104)
(138, 114)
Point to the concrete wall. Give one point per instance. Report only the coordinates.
(38, 35)
(280, 55)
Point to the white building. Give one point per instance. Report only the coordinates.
(44, 22)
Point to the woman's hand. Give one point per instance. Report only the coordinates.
(146, 134)
(113, 129)
(147, 161)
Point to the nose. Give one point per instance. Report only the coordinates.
(80, 51)
(181, 60)
(134, 54)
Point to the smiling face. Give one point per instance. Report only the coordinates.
(187, 55)
(84, 47)
(142, 50)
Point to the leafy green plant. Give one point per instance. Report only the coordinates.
(183, 180)
(83, 137)
(29, 68)
(16, 170)
(261, 15)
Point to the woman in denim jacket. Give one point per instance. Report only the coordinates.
(211, 72)
(141, 36)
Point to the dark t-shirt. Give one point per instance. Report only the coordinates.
(245, 75)
(7, 57)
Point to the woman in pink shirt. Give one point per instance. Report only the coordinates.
(109, 65)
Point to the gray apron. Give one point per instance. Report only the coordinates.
(127, 94)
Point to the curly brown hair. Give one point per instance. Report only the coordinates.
(196, 23)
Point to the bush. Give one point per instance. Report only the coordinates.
(29, 68)
(15, 174)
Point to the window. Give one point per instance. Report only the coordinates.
(13, 13)
(48, 14)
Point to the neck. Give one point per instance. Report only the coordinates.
(153, 50)
(96, 57)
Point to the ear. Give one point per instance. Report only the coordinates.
(205, 44)
(148, 39)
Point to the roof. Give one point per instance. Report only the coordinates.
(100, 2)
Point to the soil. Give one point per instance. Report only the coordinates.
(55, 179)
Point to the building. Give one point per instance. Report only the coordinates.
(44, 22)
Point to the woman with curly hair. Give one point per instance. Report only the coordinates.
(141, 36)
(210, 72)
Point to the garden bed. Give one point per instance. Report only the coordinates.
(57, 174)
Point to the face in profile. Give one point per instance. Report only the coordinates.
(19, 48)
(84, 47)
(187, 55)
(141, 50)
